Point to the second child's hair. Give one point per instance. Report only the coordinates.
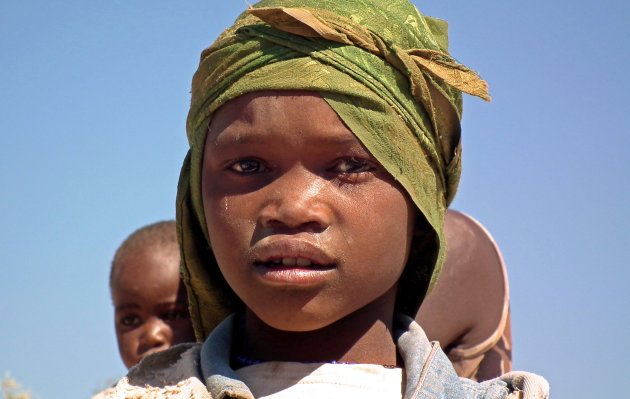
(159, 234)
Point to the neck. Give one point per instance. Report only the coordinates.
(364, 336)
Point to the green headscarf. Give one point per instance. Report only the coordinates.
(385, 70)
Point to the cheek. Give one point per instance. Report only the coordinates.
(227, 219)
(128, 347)
(127, 339)
(393, 233)
(230, 222)
(385, 225)
(222, 209)
(182, 332)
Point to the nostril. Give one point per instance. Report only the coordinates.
(290, 215)
(280, 227)
(155, 335)
(312, 227)
(297, 200)
(152, 346)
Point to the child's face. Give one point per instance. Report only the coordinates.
(150, 304)
(306, 226)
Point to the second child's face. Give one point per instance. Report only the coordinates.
(150, 303)
(307, 227)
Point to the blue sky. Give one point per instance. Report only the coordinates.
(93, 99)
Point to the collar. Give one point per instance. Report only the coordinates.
(428, 372)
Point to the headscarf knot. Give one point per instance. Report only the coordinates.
(421, 66)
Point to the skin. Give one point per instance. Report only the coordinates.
(472, 265)
(284, 180)
(150, 303)
(468, 302)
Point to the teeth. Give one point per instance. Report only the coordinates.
(292, 262)
(288, 261)
(303, 262)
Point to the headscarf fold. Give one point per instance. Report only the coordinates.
(385, 70)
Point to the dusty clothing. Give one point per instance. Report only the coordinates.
(385, 71)
(289, 380)
(180, 372)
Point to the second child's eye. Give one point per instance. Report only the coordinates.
(248, 166)
(174, 315)
(353, 165)
(130, 321)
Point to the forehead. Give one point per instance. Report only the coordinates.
(147, 263)
(255, 116)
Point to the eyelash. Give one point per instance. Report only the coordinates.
(237, 166)
(349, 167)
(357, 166)
(130, 321)
(133, 321)
(175, 315)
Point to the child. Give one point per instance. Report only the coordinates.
(150, 301)
(324, 150)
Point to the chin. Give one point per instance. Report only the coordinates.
(300, 326)
(296, 321)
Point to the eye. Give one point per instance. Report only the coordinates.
(248, 166)
(353, 165)
(130, 320)
(174, 315)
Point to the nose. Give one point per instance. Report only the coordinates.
(297, 200)
(156, 335)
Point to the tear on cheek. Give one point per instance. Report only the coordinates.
(226, 205)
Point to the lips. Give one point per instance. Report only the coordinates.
(291, 262)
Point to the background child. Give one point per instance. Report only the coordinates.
(150, 301)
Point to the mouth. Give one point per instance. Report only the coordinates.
(287, 263)
(292, 262)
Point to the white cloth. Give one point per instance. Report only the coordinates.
(283, 380)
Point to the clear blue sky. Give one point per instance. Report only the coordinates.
(93, 99)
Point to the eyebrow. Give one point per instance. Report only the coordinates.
(126, 307)
(170, 303)
(247, 136)
(159, 304)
